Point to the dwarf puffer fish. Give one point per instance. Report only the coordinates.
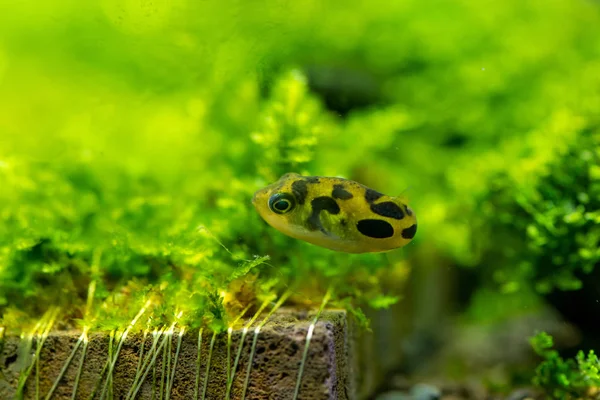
(336, 213)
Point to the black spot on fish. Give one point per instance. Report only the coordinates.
(375, 228)
(300, 190)
(325, 203)
(388, 209)
(319, 204)
(340, 193)
(409, 232)
(409, 211)
(372, 195)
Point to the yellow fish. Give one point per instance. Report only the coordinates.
(336, 213)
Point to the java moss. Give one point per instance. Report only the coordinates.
(137, 244)
(577, 378)
(134, 135)
(548, 222)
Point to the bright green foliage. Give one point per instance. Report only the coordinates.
(291, 125)
(133, 135)
(550, 226)
(565, 379)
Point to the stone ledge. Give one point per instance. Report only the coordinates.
(329, 371)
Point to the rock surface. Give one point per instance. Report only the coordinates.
(329, 371)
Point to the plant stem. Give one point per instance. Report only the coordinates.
(155, 338)
(65, 366)
(113, 358)
(279, 303)
(141, 356)
(83, 353)
(179, 339)
(196, 387)
(136, 387)
(168, 337)
(46, 323)
(242, 339)
(309, 335)
(210, 350)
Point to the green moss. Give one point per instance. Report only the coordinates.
(565, 379)
(547, 223)
(134, 135)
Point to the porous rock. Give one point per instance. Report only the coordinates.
(329, 371)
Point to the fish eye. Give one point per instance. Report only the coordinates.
(282, 203)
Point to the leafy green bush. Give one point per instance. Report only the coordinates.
(544, 231)
(565, 379)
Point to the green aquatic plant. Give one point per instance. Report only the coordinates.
(290, 127)
(548, 221)
(127, 177)
(138, 245)
(577, 378)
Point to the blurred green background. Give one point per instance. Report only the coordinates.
(134, 133)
